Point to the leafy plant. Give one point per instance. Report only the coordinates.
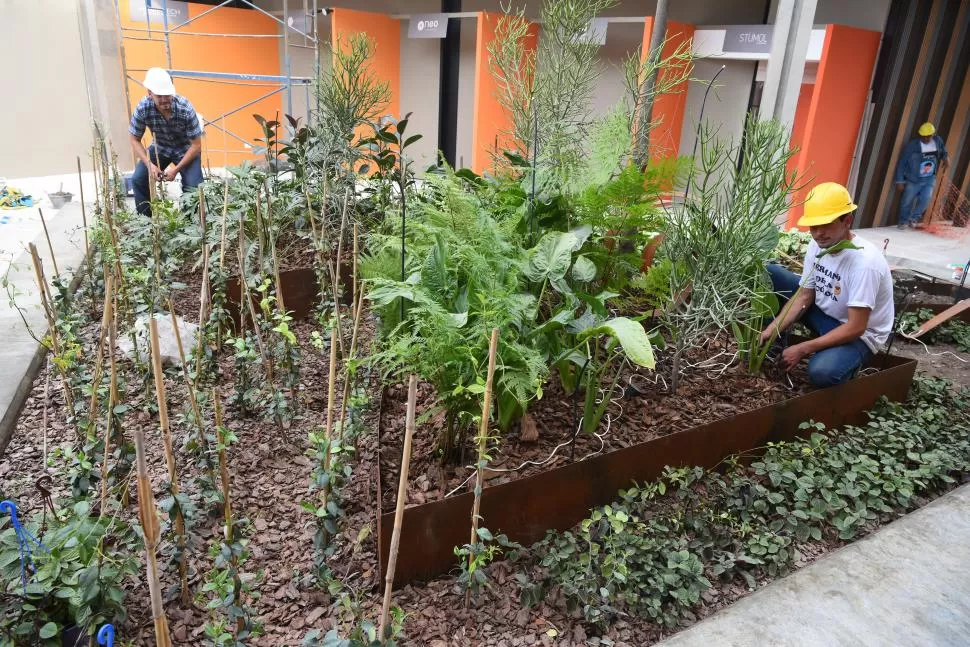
(78, 578)
(474, 558)
(724, 232)
(662, 544)
(954, 331)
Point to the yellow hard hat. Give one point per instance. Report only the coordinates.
(927, 129)
(826, 202)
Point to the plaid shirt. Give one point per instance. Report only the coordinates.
(171, 136)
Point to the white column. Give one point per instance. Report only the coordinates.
(786, 63)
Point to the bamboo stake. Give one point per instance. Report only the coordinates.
(225, 213)
(149, 524)
(353, 280)
(112, 403)
(205, 296)
(190, 384)
(350, 358)
(51, 324)
(106, 316)
(482, 442)
(84, 222)
(331, 392)
(399, 511)
(336, 277)
(228, 530)
(272, 247)
(169, 455)
(50, 246)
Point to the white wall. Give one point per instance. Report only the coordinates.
(421, 91)
(45, 110)
(622, 39)
(727, 101)
(466, 93)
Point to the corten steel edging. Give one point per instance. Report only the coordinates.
(300, 288)
(526, 509)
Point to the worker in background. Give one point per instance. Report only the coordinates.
(846, 298)
(916, 171)
(177, 138)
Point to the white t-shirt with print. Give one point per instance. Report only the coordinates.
(853, 278)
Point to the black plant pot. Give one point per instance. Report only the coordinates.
(74, 636)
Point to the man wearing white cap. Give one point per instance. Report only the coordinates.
(176, 135)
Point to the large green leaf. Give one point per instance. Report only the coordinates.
(632, 337)
(584, 270)
(550, 259)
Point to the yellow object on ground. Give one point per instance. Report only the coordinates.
(11, 198)
(826, 202)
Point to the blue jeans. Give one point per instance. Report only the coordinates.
(191, 177)
(832, 365)
(916, 197)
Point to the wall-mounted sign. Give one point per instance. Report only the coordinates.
(595, 33)
(430, 25)
(747, 39)
(152, 10)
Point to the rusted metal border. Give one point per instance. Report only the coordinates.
(526, 509)
(301, 292)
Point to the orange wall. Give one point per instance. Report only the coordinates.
(491, 122)
(668, 108)
(385, 32)
(801, 121)
(837, 107)
(213, 54)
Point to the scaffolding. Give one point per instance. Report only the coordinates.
(157, 11)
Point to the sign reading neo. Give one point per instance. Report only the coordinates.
(431, 25)
(747, 39)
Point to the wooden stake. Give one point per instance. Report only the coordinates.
(112, 403)
(169, 454)
(205, 294)
(272, 248)
(350, 357)
(84, 222)
(331, 392)
(50, 246)
(190, 384)
(482, 444)
(402, 492)
(228, 531)
(149, 524)
(353, 281)
(336, 277)
(51, 324)
(106, 316)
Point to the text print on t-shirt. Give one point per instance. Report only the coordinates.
(827, 282)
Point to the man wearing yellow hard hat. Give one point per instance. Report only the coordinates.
(844, 295)
(922, 158)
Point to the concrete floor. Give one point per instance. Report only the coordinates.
(18, 227)
(908, 584)
(922, 251)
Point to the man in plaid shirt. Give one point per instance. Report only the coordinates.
(176, 134)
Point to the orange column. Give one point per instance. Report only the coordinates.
(213, 98)
(837, 107)
(668, 108)
(385, 32)
(491, 122)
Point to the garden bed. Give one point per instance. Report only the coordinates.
(526, 508)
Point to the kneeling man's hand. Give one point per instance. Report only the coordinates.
(792, 355)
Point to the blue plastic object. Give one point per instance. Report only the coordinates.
(106, 635)
(24, 539)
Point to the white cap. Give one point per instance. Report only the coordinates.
(158, 81)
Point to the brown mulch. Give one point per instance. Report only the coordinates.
(271, 473)
(642, 409)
